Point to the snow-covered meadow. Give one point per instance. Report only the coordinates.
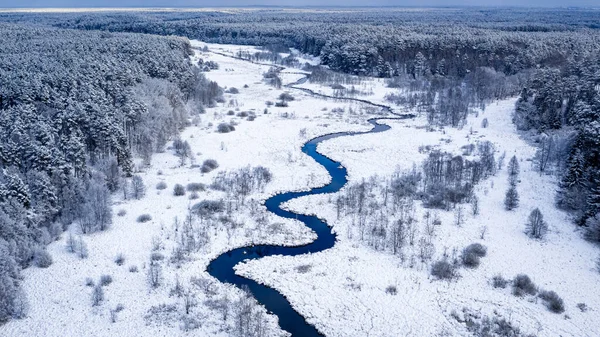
(343, 292)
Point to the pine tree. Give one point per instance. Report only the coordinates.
(513, 170)
(511, 200)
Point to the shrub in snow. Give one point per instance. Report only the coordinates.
(225, 128)
(133, 269)
(286, 97)
(105, 280)
(42, 258)
(89, 282)
(472, 253)
(194, 196)
(536, 226)
(156, 256)
(230, 113)
(209, 207)
(392, 290)
(553, 302)
(443, 270)
(122, 212)
(499, 282)
(161, 185)
(522, 285)
(196, 187)
(144, 218)
(281, 104)
(484, 123)
(178, 190)
(303, 269)
(97, 295)
(209, 165)
(120, 259)
(232, 90)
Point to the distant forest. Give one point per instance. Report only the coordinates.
(81, 93)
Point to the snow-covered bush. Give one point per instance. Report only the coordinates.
(553, 302)
(178, 190)
(105, 280)
(133, 269)
(232, 90)
(286, 97)
(144, 218)
(156, 256)
(209, 207)
(89, 282)
(392, 290)
(472, 253)
(161, 185)
(195, 187)
(522, 285)
(120, 259)
(42, 258)
(121, 212)
(499, 282)
(225, 128)
(443, 270)
(209, 165)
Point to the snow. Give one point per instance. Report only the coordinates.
(344, 291)
(328, 295)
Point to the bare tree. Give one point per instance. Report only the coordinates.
(97, 295)
(138, 189)
(536, 226)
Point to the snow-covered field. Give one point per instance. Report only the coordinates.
(344, 291)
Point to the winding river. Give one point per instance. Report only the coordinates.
(222, 267)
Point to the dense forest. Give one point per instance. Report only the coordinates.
(75, 107)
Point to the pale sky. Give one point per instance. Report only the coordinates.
(209, 3)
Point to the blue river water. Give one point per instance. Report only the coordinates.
(222, 267)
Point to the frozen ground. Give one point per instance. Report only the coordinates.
(343, 292)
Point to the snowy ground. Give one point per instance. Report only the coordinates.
(343, 293)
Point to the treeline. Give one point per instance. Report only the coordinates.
(75, 107)
(564, 104)
(376, 42)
